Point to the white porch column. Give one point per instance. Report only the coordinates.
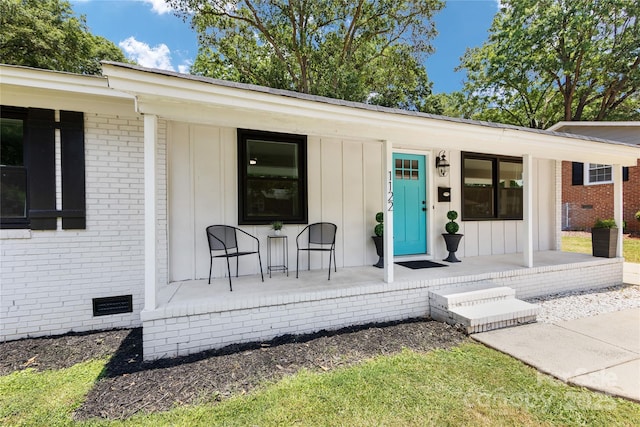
(527, 214)
(387, 204)
(150, 223)
(618, 204)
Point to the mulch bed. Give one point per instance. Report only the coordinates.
(129, 385)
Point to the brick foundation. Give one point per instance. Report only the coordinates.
(194, 326)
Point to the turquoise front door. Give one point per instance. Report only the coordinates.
(409, 204)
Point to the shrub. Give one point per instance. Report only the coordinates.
(605, 223)
(379, 228)
(452, 227)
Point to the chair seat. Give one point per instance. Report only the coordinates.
(235, 254)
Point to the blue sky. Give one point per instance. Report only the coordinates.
(148, 32)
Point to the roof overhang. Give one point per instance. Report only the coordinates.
(197, 99)
(561, 126)
(30, 87)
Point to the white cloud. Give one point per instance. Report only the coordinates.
(185, 67)
(147, 56)
(159, 6)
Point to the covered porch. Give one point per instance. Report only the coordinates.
(192, 316)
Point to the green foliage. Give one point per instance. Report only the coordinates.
(452, 227)
(276, 225)
(582, 244)
(466, 385)
(638, 215)
(30, 398)
(551, 60)
(605, 223)
(365, 50)
(47, 34)
(379, 228)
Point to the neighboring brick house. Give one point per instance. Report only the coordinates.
(587, 188)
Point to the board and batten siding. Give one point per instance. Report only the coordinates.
(504, 237)
(344, 181)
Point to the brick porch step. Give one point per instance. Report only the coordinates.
(481, 310)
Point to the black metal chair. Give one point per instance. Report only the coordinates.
(320, 236)
(225, 238)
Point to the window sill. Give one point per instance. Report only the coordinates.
(587, 184)
(9, 234)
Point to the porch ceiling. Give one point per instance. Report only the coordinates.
(207, 101)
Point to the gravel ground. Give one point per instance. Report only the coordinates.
(575, 305)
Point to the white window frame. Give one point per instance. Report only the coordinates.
(587, 175)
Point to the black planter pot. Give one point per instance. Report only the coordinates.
(452, 241)
(379, 250)
(604, 242)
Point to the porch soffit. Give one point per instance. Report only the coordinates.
(195, 99)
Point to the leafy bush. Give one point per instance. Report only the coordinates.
(452, 227)
(605, 223)
(379, 228)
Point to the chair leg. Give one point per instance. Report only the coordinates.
(335, 264)
(210, 267)
(297, 261)
(329, 266)
(229, 273)
(260, 261)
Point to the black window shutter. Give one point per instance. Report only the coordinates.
(73, 179)
(625, 173)
(577, 173)
(41, 168)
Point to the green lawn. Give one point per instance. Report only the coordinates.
(468, 385)
(582, 244)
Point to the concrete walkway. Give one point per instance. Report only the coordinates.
(601, 352)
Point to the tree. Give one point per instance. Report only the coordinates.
(46, 34)
(366, 50)
(550, 60)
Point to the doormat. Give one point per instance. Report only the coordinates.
(414, 265)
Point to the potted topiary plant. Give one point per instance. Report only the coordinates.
(604, 238)
(378, 230)
(451, 237)
(276, 226)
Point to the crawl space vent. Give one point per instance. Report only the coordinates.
(112, 305)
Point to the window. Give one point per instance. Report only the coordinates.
(13, 173)
(598, 174)
(28, 168)
(492, 187)
(272, 178)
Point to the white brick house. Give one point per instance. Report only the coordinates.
(162, 161)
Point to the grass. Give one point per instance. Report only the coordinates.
(582, 244)
(468, 385)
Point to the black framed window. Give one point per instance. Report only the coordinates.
(28, 168)
(14, 195)
(491, 187)
(272, 177)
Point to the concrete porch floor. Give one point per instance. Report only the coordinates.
(251, 288)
